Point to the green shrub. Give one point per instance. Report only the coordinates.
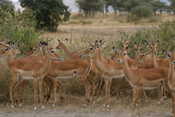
(164, 34)
(20, 30)
(139, 12)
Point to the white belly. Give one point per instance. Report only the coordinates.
(26, 75)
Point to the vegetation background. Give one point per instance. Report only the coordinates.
(136, 20)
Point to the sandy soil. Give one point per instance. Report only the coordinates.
(76, 107)
(76, 113)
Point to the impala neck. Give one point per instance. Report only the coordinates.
(171, 70)
(155, 59)
(65, 49)
(126, 58)
(98, 54)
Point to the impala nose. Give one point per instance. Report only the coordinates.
(75, 73)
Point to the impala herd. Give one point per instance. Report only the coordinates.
(45, 68)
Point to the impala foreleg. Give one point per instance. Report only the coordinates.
(55, 91)
(136, 95)
(40, 86)
(108, 83)
(173, 103)
(12, 91)
(35, 93)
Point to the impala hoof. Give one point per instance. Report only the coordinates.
(35, 108)
(42, 107)
(53, 105)
(20, 105)
(12, 106)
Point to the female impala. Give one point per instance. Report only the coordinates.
(89, 83)
(142, 78)
(171, 80)
(30, 68)
(108, 68)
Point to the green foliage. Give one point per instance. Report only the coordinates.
(48, 13)
(172, 4)
(89, 7)
(164, 34)
(142, 11)
(129, 4)
(26, 18)
(24, 38)
(19, 28)
(6, 10)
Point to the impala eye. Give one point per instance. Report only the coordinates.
(7, 49)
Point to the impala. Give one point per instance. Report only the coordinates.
(89, 83)
(108, 68)
(142, 78)
(29, 68)
(171, 80)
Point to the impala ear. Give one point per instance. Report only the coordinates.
(157, 41)
(96, 43)
(169, 54)
(126, 47)
(43, 43)
(173, 62)
(100, 41)
(6, 49)
(66, 39)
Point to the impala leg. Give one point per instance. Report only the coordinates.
(108, 87)
(40, 83)
(19, 89)
(163, 88)
(136, 94)
(88, 91)
(12, 90)
(94, 87)
(173, 104)
(55, 92)
(35, 93)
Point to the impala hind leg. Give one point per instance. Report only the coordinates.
(12, 91)
(41, 99)
(35, 93)
(19, 89)
(163, 90)
(108, 84)
(173, 104)
(88, 92)
(136, 95)
(54, 82)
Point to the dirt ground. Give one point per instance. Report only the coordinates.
(75, 106)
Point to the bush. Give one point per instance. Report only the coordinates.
(164, 34)
(139, 12)
(20, 30)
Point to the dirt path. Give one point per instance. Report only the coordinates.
(62, 113)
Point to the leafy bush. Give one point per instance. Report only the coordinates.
(19, 29)
(164, 34)
(139, 12)
(48, 13)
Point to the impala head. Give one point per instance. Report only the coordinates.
(11, 52)
(43, 47)
(171, 56)
(60, 45)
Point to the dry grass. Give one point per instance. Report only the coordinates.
(108, 29)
